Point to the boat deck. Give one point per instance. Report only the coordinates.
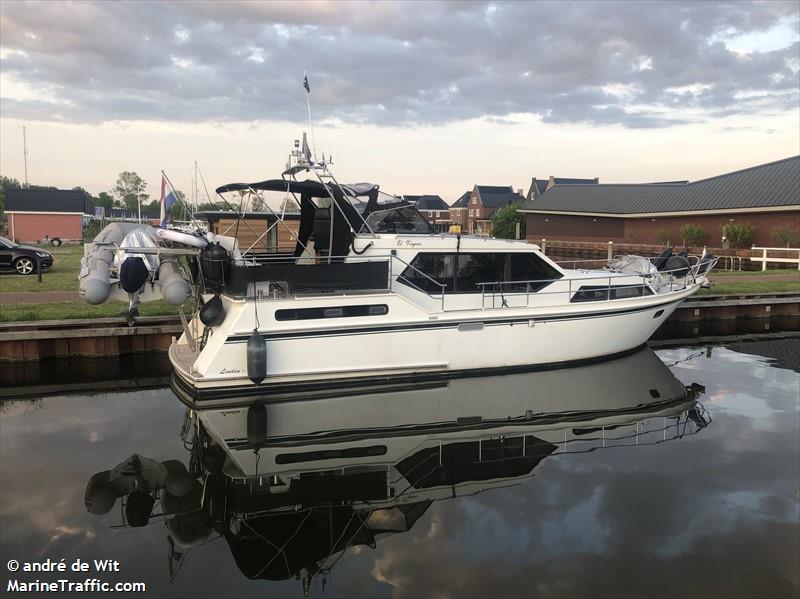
(183, 357)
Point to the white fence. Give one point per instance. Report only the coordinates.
(766, 259)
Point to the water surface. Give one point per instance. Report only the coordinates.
(714, 513)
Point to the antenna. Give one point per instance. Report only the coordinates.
(25, 154)
(308, 105)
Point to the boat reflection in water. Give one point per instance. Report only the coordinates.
(292, 484)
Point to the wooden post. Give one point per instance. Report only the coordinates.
(544, 245)
(610, 250)
(764, 262)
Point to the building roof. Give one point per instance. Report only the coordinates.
(541, 185)
(493, 196)
(428, 202)
(573, 181)
(771, 185)
(463, 201)
(48, 200)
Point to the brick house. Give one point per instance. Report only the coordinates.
(34, 214)
(482, 202)
(460, 209)
(765, 196)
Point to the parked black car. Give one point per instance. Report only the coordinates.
(22, 258)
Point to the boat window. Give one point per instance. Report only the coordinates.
(330, 454)
(478, 268)
(403, 219)
(529, 267)
(463, 272)
(436, 266)
(599, 293)
(334, 312)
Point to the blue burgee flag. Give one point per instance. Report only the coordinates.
(166, 201)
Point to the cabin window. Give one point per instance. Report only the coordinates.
(330, 454)
(436, 266)
(332, 312)
(600, 293)
(462, 273)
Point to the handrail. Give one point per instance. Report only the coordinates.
(442, 286)
(661, 279)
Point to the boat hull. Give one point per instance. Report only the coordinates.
(341, 358)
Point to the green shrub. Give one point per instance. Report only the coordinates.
(91, 229)
(786, 235)
(692, 234)
(662, 234)
(738, 234)
(505, 219)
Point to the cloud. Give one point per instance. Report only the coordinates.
(398, 64)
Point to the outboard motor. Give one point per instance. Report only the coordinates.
(256, 426)
(214, 264)
(138, 508)
(256, 358)
(133, 274)
(213, 312)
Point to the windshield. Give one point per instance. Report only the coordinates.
(404, 219)
(7, 242)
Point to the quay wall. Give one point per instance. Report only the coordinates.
(106, 337)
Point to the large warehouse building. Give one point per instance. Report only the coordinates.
(766, 197)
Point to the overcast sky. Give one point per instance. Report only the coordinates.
(422, 98)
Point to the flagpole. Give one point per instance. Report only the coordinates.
(310, 125)
(174, 191)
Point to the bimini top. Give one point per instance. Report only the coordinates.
(313, 189)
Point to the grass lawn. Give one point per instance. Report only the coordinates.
(739, 273)
(63, 276)
(68, 310)
(749, 287)
(66, 265)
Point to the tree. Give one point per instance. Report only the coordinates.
(289, 204)
(738, 234)
(692, 234)
(505, 219)
(130, 190)
(787, 235)
(104, 200)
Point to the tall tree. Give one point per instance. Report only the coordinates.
(130, 190)
(105, 200)
(505, 219)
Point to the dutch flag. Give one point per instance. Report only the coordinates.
(167, 200)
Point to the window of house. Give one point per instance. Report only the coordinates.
(474, 201)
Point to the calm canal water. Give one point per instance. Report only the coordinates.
(691, 496)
